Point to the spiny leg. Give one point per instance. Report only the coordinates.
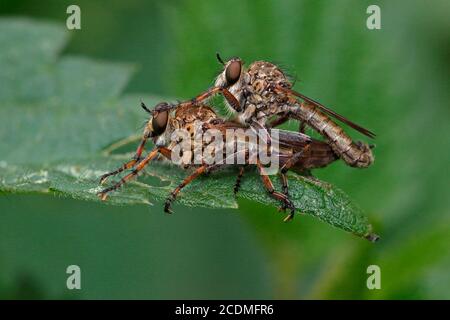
(302, 127)
(129, 164)
(231, 99)
(284, 181)
(185, 182)
(275, 194)
(284, 188)
(141, 165)
(237, 184)
(284, 184)
(279, 121)
(282, 119)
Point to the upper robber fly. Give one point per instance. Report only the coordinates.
(262, 92)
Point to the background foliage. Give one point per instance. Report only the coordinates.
(394, 81)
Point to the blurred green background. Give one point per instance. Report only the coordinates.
(393, 81)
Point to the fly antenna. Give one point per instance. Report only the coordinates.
(143, 106)
(219, 58)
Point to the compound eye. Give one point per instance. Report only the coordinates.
(233, 72)
(159, 123)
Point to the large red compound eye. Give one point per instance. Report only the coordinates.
(233, 72)
(159, 123)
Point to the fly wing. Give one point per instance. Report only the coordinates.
(328, 111)
(318, 155)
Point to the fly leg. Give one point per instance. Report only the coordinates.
(278, 121)
(285, 117)
(231, 99)
(237, 184)
(129, 164)
(284, 181)
(302, 127)
(275, 194)
(139, 167)
(200, 170)
(284, 189)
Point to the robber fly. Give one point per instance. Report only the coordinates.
(296, 152)
(262, 91)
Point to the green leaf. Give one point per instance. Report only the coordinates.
(60, 117)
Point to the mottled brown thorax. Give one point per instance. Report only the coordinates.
(261, 77)
(187, 115)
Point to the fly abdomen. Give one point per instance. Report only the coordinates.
(354, 154)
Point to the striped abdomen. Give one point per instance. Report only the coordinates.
(354, 154)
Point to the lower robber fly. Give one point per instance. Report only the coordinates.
(262, 91)
(296, 151)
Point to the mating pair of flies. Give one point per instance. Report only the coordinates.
(261, 97)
